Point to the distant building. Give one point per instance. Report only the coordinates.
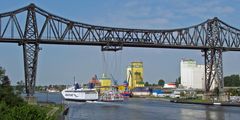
(141, 91)
(135, 75)
(192, 75)
(169, 85)
(94, 82)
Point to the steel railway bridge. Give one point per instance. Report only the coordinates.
(31, 26)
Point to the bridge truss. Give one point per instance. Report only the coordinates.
(31, 26)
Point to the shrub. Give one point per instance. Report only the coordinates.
(26, 112)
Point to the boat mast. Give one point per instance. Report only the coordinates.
(73, 80)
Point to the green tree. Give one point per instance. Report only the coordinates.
(178, 81)
(232, 81)
(7, 94)
(13, 107)
(161, 82)
(146, 84)
(5, 81)
(2, 73)
(20, 86)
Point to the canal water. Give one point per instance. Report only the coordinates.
(142, 109)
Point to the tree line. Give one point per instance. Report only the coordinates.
(232, 81)
(12, 105)
(160, 82)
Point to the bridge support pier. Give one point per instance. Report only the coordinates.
(30, 53)
(214, 82)
(31, 100)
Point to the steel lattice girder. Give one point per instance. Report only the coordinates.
(30, 51)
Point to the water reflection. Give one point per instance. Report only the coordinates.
(209, 113)
(214, 113)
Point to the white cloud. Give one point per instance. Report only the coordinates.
(207, 9)
(163, 14)
(224, 9)
(135, 14)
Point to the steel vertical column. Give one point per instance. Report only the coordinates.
(213, 58)
(209, 74)
(30, 51)
(213, 69)
(219, 70)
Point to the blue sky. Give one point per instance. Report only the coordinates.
(59, 64)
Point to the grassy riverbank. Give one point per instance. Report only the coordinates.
(54, 111)
(198, 101)
(14, 107)
(26, 111)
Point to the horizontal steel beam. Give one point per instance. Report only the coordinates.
(62, 42)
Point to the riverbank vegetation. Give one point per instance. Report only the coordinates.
(13, 107)
(198, 100)
(232, 81)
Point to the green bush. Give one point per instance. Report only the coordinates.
(4, 109)
(9, 97)
(25, 112)
(12, 105)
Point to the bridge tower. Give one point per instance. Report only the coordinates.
(30, 50)
(213, 58)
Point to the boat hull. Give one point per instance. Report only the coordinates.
(80, 95)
